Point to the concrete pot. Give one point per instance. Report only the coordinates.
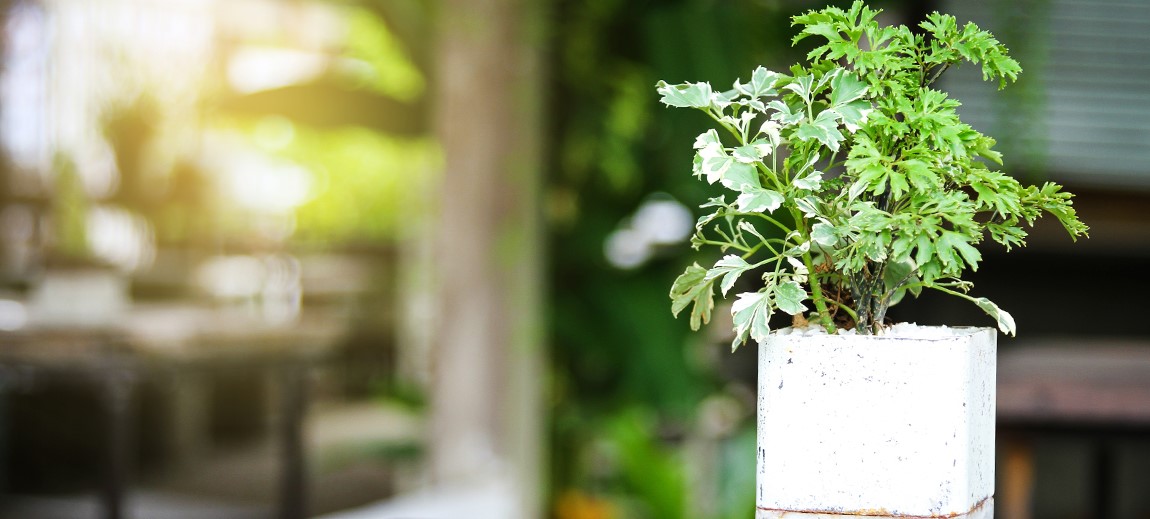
(877, 425)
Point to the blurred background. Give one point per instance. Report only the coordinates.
(410, 258)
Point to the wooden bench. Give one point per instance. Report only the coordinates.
(175, 344)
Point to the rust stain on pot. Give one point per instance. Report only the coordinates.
(876, 512)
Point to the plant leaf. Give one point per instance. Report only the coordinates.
(762, 83)
(825, 129)
(693, 288)
(846, 87)
(748, 154)
(759, 201)
(751, 314)
(919, 174)
(739, 177)
(853, 114)
(749, 227)
(730, 268)
(707, 139)
(784, 114)
(686, 95)
(789, 297)
(808, 205)
(801, 86)
(1005, 320)
(771, 130)
(950, 241)
(723, 168)
(811, 181)
(825, 234)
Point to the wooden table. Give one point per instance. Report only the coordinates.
(165, 342)
(1092, 387)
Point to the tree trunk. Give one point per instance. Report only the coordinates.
(487, 411)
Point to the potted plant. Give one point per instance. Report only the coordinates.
(853, 183)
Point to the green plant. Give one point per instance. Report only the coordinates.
(876, 187)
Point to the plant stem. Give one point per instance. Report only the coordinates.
(733, 131)
(724, 245)
(817, 293)
(776, 222)
(953, 293)
(850, 311)
(812, 276)
(938, 73)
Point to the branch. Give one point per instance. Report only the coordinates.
(938, 72)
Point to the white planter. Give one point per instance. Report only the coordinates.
(886, 426)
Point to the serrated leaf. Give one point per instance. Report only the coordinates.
(1009, 235)
(789, 297)
(808, 205)
(799, 269)
(707, 139)
(730, 267)
(711, 151)
(1004, 319)
(718, 201)
(784, 114)
(924, 249)
(764, 147)
(811, 161)
(742, 122)
(771, 130)
(825, 29)
(919, 174)
(898, 183)
(761, 84)
(853, 114)
(692, 288)
(759, 201)
(739, 177)
(744, 225)
(747, 154)
(812, 180)
(948, 242)
(825, 129)
(751, 314)
(802, 86)
(824, 234)
(798, 250)
(857, 188)
(721, 100)
(686, 95)
(718, 166)
(846, 87)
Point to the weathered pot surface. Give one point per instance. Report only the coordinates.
(894, 425)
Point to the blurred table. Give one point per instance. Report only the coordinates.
(168, 343)
(1093, 387)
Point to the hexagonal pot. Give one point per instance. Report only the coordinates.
(877, 425)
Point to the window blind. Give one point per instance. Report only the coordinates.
(1080, 113)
